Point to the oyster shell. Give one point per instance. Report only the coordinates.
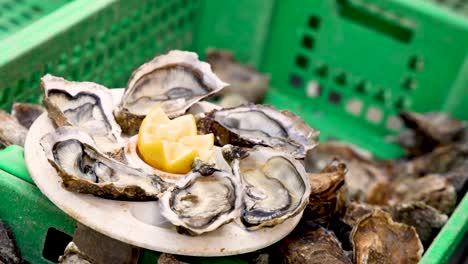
(85, 169)
(26, 114)
(433, 190)
(85, 105)
(312, 245)
(243, 80)
(251, 125)
(377, 239)
(202, 201)
(325, 189)
(11, 132)
(174, 81)
(276, 186)
(9, 251)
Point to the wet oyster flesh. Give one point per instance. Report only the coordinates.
(85, 105)
(84, 169)
(251, 125)
(202, 201)
(174, 82)
(275, 185)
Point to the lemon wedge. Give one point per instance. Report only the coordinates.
(172, 145)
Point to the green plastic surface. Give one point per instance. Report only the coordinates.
(346, 66)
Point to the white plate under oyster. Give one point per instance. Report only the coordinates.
(266, 182)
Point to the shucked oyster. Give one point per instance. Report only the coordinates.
(85, 105)
(251, 125)
(174, 81)
(377, 239)
(275, 185)
(85, 169)
(202, 201)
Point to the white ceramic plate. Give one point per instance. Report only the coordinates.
(139, 223)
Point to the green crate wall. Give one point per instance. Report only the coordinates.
(347, 67)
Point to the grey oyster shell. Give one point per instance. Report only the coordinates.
(275, 186)
(250, 125)
(26, 114)
(11, 131)
(85, 105)
(174, 82)
(202, 202)
(84, 169)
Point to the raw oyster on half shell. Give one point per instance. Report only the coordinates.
(251, 125)
(275, 185)
(202, 201)
(84, 169)
(174, 82)
(85, 105)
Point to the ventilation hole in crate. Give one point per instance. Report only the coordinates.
(321, 70)
(334, 97)
(174, 8)
(181, 22)
(36, 9)
(313, 89)
(394, 123)
(302, 61)
(14, 21)
(401, 103)
(20, 87)
(26, 15)
(308, 42)
(90, 44)
(76, 53)
(111, 51)
(122, 44)
(314, 22)
(354, 106)
(191, 15)
(48, 68)
(99, 59)
(295, 80)
(409, 83)
(374, 115)
(102, 37)
(136, 16)
(7, 6)
(362, 87)
(416, 63)
(54, 244)
(5, 98)
(340, 79)
(381, 95)
(3, 28)
(88, 67)
(75, 75)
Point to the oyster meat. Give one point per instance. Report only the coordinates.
(377, 239)
(243, 80)
(85, 105)
(174, 82)
(83, 168)
(202, 201)
(251, 125)
(26, 114)
(275, 186)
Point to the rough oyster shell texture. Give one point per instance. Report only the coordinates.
(85, 105)
(250, 125)
(174, 82)
(84, 169)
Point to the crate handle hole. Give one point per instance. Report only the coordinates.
(55, 243)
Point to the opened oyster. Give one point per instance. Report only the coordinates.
(11, 131)
(251, 125)
(202, 201)
(85, 169)
(174, 82)
(377, 239)
(85, 105)
(276, 186)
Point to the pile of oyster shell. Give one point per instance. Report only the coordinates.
(256, 179)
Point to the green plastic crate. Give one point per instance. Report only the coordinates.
(346, 66)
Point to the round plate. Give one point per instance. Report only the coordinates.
(139, 223)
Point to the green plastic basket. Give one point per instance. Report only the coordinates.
(346, 66)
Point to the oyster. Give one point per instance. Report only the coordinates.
(85, 169)
(433, 190)
(276, 186)
(174, 81)
(85, 105)
(26, 114)
(11, 132)
(312, 245)
(377, 239)
(323, 200)
(202, 201)
(9, 251)
(243, 80)
(73, 255)
(251, 125)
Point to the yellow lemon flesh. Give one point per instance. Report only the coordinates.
(172, 145)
